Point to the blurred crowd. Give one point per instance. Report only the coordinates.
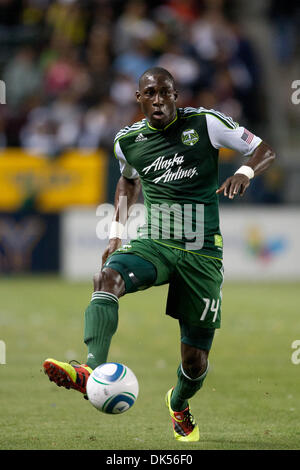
(71, 66)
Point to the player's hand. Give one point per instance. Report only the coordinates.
(113, 245)
(234, 185)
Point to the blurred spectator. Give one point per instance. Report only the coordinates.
(60, 74)
(100, 125)
(22, 76)
(135, 61)
(52, 129)
(210, 32)
(98, 63)
(38, 137)
(184, 68)
(98, 58)
(123, 89)
(187, 11)
(67, 19)
(66, 113)
(132, 26)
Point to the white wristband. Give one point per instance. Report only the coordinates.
(245, 170)
(116, 230)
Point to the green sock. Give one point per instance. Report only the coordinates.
(100, 324)
(185, 389)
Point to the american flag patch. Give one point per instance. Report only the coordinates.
(247, 136)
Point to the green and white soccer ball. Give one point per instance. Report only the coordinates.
(112, 388)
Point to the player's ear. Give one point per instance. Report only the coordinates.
(175, 95)
(138, 96)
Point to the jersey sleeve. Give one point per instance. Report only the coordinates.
(223, 132)
(126, 170)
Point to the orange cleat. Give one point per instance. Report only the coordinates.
(67, 375)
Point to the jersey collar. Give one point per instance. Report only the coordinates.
(164, 128)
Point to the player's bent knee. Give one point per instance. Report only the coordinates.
(109, 280)
(194, 362)
(195, 371)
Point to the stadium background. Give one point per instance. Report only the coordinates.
(70, 70)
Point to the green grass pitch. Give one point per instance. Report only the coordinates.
(250, 399)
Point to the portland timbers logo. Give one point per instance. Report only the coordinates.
(189, 137)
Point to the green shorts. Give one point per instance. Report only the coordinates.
(195, 281)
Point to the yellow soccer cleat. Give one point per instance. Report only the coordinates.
(67, 375)
(184, 426)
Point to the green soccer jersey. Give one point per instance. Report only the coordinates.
(178, 170)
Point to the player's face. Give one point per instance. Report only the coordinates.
(157, 99)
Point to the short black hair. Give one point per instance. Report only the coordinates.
(158, 71)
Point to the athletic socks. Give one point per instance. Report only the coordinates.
(100, 324)
(186, 388)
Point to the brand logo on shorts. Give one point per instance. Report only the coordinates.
(189, 137)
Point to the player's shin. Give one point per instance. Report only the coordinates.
(100, 324)
(186, 388)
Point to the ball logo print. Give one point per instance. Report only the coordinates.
(112, 388)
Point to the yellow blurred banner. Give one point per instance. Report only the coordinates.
(76, 178)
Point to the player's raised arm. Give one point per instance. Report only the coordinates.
(260, 161)
(127, 192)
(224, 132)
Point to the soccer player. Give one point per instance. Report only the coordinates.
(173, 155)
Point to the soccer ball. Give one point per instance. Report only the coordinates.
(112, 388)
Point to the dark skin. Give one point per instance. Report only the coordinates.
(157, 98)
